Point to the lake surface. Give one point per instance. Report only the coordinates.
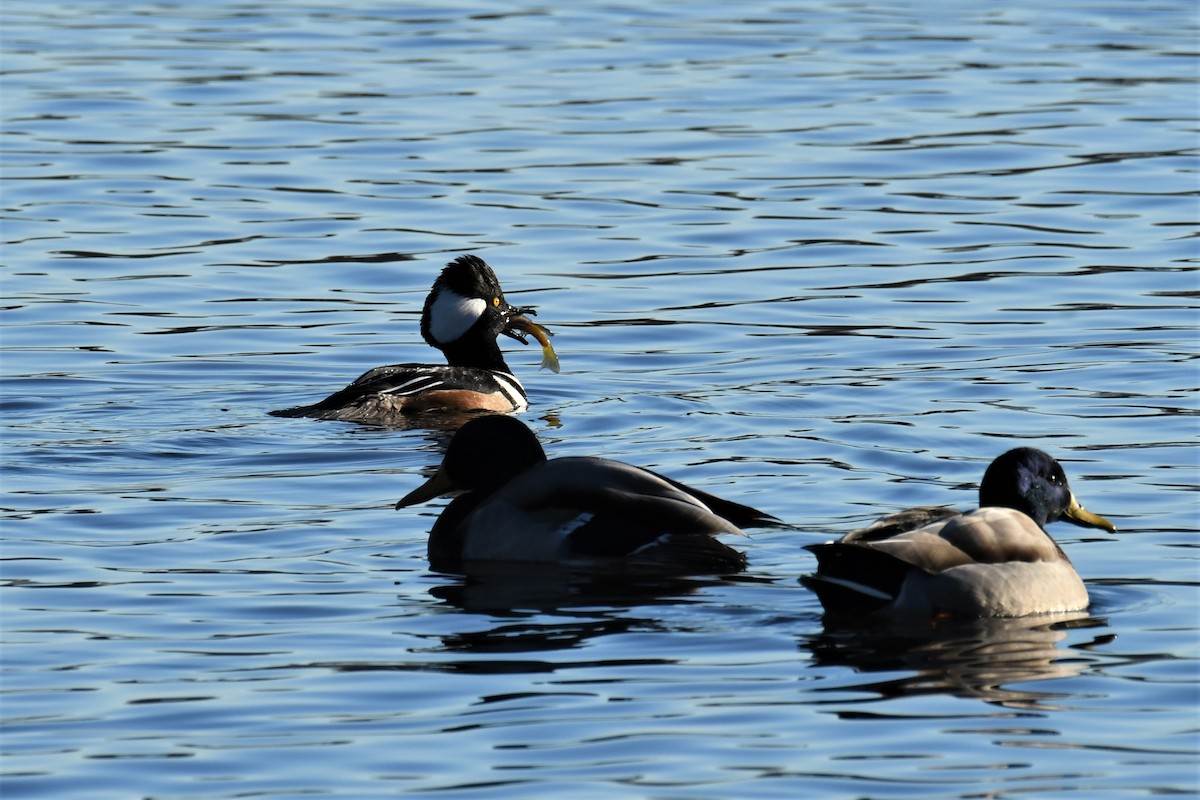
(828, 260)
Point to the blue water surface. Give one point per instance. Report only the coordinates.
(828, 260)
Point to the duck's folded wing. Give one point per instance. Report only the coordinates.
(865, 576)
(900, 522)
(924, 550)
(983, 536)
(741, 515)
(617, 509)
(400, 379)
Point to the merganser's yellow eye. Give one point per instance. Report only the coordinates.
(496, 302)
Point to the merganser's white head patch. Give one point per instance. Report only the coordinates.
(451, 315)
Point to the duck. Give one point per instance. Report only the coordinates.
(934, 561)
(464, 315)
(576, 511)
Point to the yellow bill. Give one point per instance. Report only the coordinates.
(1081, 516)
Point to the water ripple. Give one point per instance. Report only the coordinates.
(827, 262)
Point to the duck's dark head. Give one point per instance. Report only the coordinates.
(465, 312)
(1034, 483)
(484, 454)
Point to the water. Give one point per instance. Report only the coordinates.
(826, 260)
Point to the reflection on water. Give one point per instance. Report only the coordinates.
(514, 587)
(828, 260)
(968, 658)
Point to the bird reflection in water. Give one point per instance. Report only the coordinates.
(514, 586)
(541, 608)
(976, 658)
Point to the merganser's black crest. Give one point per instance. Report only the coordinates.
(463, 315)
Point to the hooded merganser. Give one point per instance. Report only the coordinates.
(575, 511)
(463, 314)
(995, 561)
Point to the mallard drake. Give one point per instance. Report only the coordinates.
(464, 314)
(995, 561)
(584, 511)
